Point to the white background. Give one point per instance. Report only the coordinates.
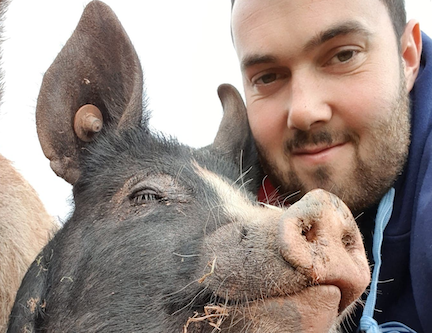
(186, 52)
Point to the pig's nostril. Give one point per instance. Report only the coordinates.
(348, 240)
(309, 232)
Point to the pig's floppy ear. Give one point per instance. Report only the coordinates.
(97, 73)
(234, 138)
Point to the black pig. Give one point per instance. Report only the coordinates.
(166, 238)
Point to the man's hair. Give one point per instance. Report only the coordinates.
(397, 12)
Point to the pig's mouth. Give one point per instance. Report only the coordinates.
(328, 295)
(313, 309)
(319, 308)
(309, 299)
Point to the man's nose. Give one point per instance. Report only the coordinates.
(307, 105)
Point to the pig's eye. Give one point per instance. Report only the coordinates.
(146, 195)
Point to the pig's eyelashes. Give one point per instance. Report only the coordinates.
(146, 195)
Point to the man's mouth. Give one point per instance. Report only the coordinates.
(317, 154)
(312, 150)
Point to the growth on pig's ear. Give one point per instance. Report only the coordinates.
(95, 83)
(234, 137)
(88, 122)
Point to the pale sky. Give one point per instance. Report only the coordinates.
(186, 52)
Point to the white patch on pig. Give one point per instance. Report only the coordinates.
(233, 201)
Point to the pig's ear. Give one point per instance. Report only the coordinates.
(234, 138)
(97, 73)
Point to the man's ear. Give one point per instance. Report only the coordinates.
(411, 49)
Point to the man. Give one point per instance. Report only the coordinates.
(339, 96)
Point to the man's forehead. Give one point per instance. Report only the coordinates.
(242, 9)
(304, 18)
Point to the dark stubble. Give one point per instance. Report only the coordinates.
(371, 178)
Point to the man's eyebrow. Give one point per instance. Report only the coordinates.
(256, 59)
(341, 29)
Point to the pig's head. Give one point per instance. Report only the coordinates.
(166, 238)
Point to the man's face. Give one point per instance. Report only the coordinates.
(326, 94)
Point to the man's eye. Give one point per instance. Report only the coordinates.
(269, 81)
(344, 56)
(267, 78)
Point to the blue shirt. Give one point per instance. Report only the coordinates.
(405, 288)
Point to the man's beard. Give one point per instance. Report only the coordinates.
(370, 178)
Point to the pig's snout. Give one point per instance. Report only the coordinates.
(319, 238)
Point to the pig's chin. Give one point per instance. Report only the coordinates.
(314, 309)
(318, 307)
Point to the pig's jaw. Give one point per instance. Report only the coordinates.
(319, 308)
(313, 310)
